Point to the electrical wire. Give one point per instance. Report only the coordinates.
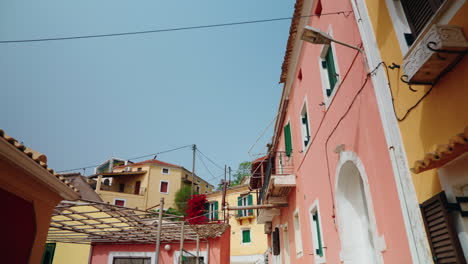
(167, 29)
(140, 157)
(210, 160)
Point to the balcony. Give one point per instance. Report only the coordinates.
(278, 182)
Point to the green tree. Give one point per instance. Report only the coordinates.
(242, 172)
(181, 198)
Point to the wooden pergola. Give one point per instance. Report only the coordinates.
(85, 222)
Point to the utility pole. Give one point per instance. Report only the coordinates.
(194, 148)
(158, 235)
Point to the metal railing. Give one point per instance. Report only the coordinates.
(279, 163)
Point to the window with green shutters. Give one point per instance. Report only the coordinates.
(305, 126)
(288, 140)
(328, 64)
(49, 252)
(246, 236)
(244, 201)
(212, 210)
(317, 238)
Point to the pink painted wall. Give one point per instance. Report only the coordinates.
(219, 250)
(360, 130)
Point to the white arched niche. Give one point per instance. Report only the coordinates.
(360, 242)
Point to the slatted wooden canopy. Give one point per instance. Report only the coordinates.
(95, 222)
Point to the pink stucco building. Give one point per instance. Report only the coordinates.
(330, 168)
(212, 250)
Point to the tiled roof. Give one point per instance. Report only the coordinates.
(293, 32)
(444, 153)
(151, 161)
(35, 156)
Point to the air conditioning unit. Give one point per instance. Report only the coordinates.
(438, 50)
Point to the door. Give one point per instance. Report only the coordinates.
(137, 187)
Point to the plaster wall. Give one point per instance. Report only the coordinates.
(219, 250)
(258, 244)
(352, 119)
(439, 116)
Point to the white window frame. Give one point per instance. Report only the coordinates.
(242, 236)
(324, 72)
(297, 233)
(160, 185)
(211, 211)
(304, 110)
(165, 173)
(244, 202)
(203, 254)
(120, 199)
(113, 254)
(313, 227)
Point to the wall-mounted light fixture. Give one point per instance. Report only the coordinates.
(315, 36)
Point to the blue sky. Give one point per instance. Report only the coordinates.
(83, 101)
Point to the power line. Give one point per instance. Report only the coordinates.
(346, 13)
(214, 163)
(140, 157)
(204, 165)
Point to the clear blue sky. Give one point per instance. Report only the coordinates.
(83, 101)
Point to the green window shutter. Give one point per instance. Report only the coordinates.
(246, 236)
(287, 140)
(49, 252)
(216, 210)
(207, 211)
(331, 70)
(250, 203)
(319, 250)
(239, 203)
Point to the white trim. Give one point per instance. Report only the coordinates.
(160, 184)
(120, 199)
(305, 106)
(315, 207)
(378, 241)
(287, 249)
(400, 23)
(414, 226)
(298, 234)
(112, 254)
(324, 72)
(203, 254)
(168, 171)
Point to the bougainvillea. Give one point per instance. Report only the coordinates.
(196, 209)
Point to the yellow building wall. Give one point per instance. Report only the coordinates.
(258, 238)
(66, 253)
(151, 184)
(441, 115)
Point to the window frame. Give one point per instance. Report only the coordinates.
(324, 72)
(297, 234)
(160, 185)
(242, 236)
(212, 212)
(304, 111)
(315, 208)
(165, 173)
(286, 244)
(120, 199)
(123, 254)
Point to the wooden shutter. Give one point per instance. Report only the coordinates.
(216, 210)
(49, 252)
(275, 242)
(419, 12)
(440, 230)
(245, 236)
(250, 200)
(287, 140)
(207, 210)
(319, 250)
(331, 70)
(239, 203)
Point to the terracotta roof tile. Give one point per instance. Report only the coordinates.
(36, 156)
(443, 153)
(292, 38)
